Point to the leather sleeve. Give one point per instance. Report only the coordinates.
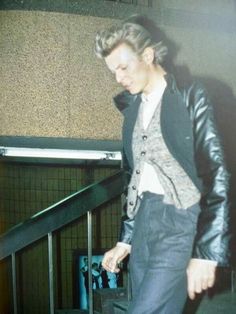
(126, 230)
(127, 224)
(212, 239)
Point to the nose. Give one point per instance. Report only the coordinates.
(119, 76)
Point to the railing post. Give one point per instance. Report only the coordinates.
(233, 276)
(50, 273)
(14, 288)
(90, 248)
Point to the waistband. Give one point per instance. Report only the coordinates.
(149, 195)
(159, 198)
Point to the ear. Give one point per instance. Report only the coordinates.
(148, 55)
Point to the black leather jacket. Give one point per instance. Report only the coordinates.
(189, 131)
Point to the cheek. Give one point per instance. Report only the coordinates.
(141, 76)
(138, 73)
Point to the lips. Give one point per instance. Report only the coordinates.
(127, 86)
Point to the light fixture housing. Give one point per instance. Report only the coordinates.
(27, 152)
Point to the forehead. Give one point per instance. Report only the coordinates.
(123, 54)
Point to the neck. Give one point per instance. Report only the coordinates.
(156, 79)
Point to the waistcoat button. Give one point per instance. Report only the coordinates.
(144, 137)
(138, 171)
(143, 153)
(131, 203)
(134, 187)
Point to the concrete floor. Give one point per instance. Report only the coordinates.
(220, 300)
(220, 303)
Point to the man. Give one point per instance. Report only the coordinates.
(178, 171)
(84, 271)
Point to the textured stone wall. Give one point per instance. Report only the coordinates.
(52, 84)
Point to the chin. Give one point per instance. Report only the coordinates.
(134, 91)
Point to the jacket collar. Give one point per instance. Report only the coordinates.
(125, 98)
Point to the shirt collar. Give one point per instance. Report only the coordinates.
(152, 97)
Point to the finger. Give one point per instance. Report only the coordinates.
(191, 292)
(198, 286)
(195, 285)
(106, 263)
(114, 266)
(110, 264)
(106, 266)
(211, 281)
(203, 282)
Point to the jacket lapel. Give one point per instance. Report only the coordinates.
(177, 131)
(130, 116)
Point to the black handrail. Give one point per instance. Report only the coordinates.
(61, 213)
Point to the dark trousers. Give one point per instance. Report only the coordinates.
(161, 249)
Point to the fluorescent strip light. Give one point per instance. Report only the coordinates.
(58, 153)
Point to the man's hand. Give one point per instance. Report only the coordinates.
(201, 276)
(113, 257)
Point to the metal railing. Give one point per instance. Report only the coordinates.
(56, 217)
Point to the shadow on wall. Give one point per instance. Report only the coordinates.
(221, 95)
(224, 104)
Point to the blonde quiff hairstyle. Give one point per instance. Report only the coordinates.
(134, 35)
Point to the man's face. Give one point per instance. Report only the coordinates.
(130, 70)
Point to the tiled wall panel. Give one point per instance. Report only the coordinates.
(26, 189)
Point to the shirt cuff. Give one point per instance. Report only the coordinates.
(207, 261)
(124, 245)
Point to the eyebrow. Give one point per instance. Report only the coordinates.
(113, 70)
(120, 66)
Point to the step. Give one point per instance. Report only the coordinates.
(71, 311)
(74, 311)
(120, 307)
(221, 303)
(105, 298)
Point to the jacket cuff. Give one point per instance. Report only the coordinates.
(124, 245)
(221, 257)
(126, 231)
(207, 261)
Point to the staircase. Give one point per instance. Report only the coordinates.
(104, 302)
(74, 311)
(120, 307)
(47, 222)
